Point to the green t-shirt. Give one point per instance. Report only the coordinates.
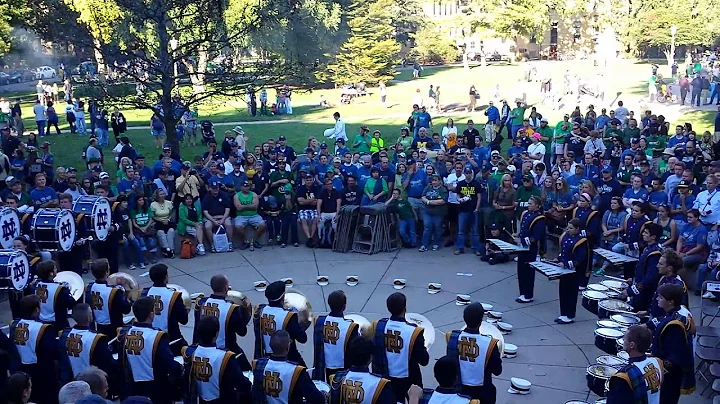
(142, 218)
(523, 195)
(246, 200)
(278, 175)
(624, 174)
(498, 176)
(627, 134)
(403, 208)
(662, 167)
(547, 132)
(561, 135)
(406, 141)
(362, 147)
(518, 114)
(434, 194)
(655, 145)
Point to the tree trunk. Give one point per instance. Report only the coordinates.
(99, 58)
(669, 55)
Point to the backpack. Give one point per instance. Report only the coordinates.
(187, 249)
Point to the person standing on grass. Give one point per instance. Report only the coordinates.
(16, 114)
(157, 129)
(40, 119)
(52, 118)
(80, 118)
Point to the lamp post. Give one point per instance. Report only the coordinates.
(174, 46)
(673, 32)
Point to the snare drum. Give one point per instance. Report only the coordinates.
(97, 213)
(598, 287)
(591, 299)
(625, 319)
(53, 229)
(606, 339)
(9, 227)
(608, 307)
(598, 377)
(611, 360)
(14, 270)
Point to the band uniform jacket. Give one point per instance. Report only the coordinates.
(80, 348)
(271, 317)
(358, 386)
(214, 376)
(232, 324)
(55, 301)
(279, 381)
(478, 359)
(646, 279)
(36, 347)
(170, 310)
(108, 304)
(331, 335)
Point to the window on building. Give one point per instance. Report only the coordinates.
(553, 35)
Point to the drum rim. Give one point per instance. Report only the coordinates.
(612, 309)
(599, 334)
(628, 315)
(587, 292)
(596, 365)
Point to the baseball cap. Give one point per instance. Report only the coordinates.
(402, 154)
(527, 177)
(282, 138)
(167, 147)
(411, 161)
(9, 179)
(495, 152)
(239, 130)
(139, 157)
(606, 168)
(486, 168)
(238, 163)
(543, 120)
(337, 160)
(684, 184)
(308, 175)
(215, 184)
(71, 169)
(323, 145)
(422, 150)
(245, 184)
(494, 226)
(44, 145)
(186, 164)
(163, 171)
(341, 140)
(615, 121)
(468, 170)
(104, 175)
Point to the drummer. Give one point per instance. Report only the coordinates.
(574, 255)
(36, 359)
(281, 379)
(331, 336)
(272, 317)
(632, 243)
(646, 272)
(590, 221)
(671, 342)
(532, 235)
(234, 321)
(169, 310)
(219, 380)
(360, 352)
(399, 348)
(55, 299)
(20, 243)
(446, 374)
(73, 260)
(80, 348)
(478, 356)
(669, 264)
(108, 303)
(147, 358)
(640, 380)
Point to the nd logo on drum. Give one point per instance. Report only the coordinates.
(393, 341)
(468, 349)
(331, 333)
(8, 229)
(272, 384)
(352, 392)
(74, 345)
(134, 342)
(267, 324)
(202, 369)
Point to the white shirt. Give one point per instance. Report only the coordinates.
(594, 145)
(537, 148)
(339, 131)
(39, 112)
(447, 131)
(621, 113)
(708, 202)
(451, 182)
(5, 107)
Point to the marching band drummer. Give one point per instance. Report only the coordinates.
(590, 228)
(632, 242)
(478, 356)
(272, 317)
(20, 243)
(73, 260)
(109, 248)
(169, 310)
(532, 235)
(669, 264)
(399, 348)
(80, 348)
(672, 342)
(108, 303)
(55, 299)
(331, 336)
(37, 350)
(575, 255)
(639, 381)
(146, 356)
(276, 380)
(446, 374)
(214, 377)
(343, 384)
(647, 276)
(233, 319)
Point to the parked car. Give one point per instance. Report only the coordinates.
(21, 76)
(4, 78)
(45, 72)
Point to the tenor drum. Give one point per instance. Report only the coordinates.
(9, 227)
(53, 229)
(97, 213)
(14, 270)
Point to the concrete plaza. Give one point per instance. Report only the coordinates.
(553, 357)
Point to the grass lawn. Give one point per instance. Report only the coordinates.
(625, 81)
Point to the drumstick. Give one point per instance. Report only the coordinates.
(615, 277)
(176, 341)
(112, 340)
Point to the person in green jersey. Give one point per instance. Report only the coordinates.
(361, 142)
(546, 138)
(246, 203)
(631, 132)
(525, 192)
(560, 135)
(407, 215)
(517, 115)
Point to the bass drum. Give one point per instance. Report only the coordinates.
(14, 270)
(9, 227)
(98, 214)
(53, 229)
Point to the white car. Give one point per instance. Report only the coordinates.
(45, 72)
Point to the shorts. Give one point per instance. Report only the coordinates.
(560, 148)
(191, 230)
(308, 214)
(226, 223)
(244, 221)
(157, 133)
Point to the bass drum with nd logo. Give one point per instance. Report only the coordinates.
(9, 227)
(53, 229)
(97, 213)
(14, 270)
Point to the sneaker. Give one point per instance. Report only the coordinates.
(172, 254)
(515, 259)
(252, 247)
(435, 247)
(282, 245)
(200, 249)
(257, 244)
(245, 246)
(230, 246)
(296, 245)
(422, 248)
(599, 272)
(708, 295)
(457, 252)
(564, 320)
(132, 267)
(523, 299)
(142, 266)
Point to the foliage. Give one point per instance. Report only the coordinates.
(512, 18)
(695, 22)
(369, 53)
(433, 47)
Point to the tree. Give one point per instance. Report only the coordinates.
(158, 45)
(434, 47)
(369, 53)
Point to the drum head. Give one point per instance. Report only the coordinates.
(614, 284)
(594, 295)
(609, 333)
(18, 269)
(601, 371)
(626, 320)
(101, 218)
(9, 227)
(66, 230)
(615, 305)
(598, 287)
(610, 360)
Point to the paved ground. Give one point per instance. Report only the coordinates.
(553, 357)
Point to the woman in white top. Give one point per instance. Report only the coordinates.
(162, 211)
(449, 131)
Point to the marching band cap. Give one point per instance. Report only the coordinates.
(275, 291)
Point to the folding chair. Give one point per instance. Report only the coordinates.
(707, 356)
(709, 307)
